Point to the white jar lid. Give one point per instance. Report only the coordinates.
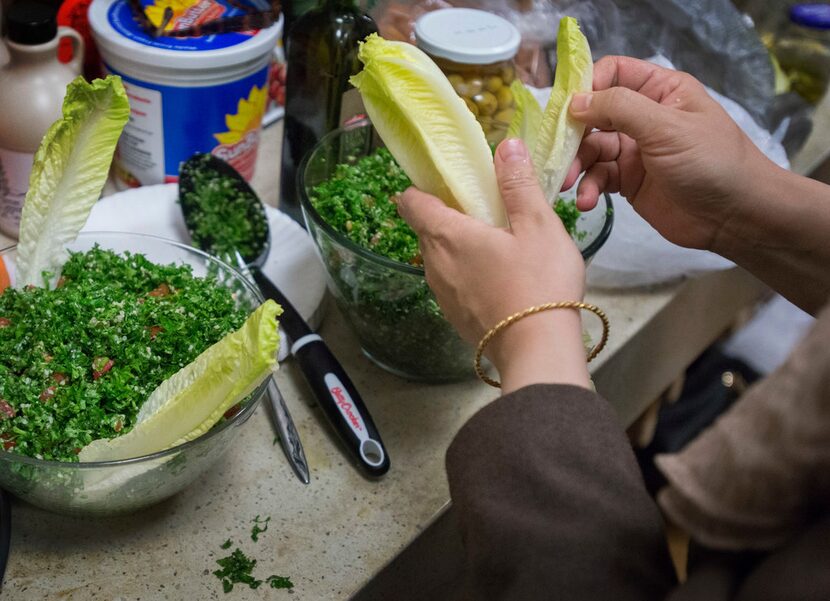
(466, 35)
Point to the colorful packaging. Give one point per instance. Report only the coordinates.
(187, 95)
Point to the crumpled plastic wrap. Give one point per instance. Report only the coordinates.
(707, 38)
(635, 254)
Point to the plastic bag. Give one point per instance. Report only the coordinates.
(707, 38)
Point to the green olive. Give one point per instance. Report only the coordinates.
(493, 84)
(507, 74)
(456, 80)
(487, 103)
(469, 88)
(505, 98)
(505, 116)
(470, 105)
(486, 124)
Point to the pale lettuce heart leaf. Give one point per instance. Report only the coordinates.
(194, 399)
(69, 171)
(560, 134)
(428, 128)
(527, 120)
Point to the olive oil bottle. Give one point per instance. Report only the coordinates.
(321, 55)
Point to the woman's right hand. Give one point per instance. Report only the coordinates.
(669, 148)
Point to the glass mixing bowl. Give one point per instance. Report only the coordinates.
(387, 303)
(117, 487)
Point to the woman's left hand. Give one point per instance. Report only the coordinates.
(481, 274)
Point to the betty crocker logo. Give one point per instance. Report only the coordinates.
(346, 407)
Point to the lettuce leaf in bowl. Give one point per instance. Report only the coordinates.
(70, 169)
(195, 398)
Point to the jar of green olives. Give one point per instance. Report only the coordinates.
(475, 49)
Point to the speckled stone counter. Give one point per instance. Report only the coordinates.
(333, 536)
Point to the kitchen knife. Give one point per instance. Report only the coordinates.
(332, 387)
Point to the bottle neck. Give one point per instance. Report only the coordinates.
(30, 54)
(338, 4)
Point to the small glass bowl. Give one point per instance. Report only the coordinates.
(118, 487)
(387, 303)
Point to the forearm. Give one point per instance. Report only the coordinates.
(781, 235)
(551, 501)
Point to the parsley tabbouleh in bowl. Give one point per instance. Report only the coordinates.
(129, 311)
(371, 255)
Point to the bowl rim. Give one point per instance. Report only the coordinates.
(310, 211)
(240, 417)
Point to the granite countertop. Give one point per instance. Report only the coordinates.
(333, 536)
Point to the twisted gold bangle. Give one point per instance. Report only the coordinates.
(537, 309)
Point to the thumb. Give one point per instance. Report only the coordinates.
(620, 109)
(523, 199)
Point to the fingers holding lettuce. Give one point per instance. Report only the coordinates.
(659, 139)
(480, 274)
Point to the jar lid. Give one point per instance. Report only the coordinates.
(31, 23)
(466, 35)
(118, 34)
(816, 16)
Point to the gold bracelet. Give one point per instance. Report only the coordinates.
(537, 309)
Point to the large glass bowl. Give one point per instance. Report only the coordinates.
(115, 487)
(387, 303)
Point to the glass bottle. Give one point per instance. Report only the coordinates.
(802, 49)
(32, 87)
(321, 55)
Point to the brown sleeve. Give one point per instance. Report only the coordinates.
(551, 503)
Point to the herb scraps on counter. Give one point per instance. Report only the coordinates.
(226, 545)
(357, 201)
(238, 568)
(258, 529)
(226, 217)
(78, 361)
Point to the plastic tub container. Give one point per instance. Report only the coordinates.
(187, 95)
(475, 50)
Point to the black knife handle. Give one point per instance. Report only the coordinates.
(332, 387)
(340, 401)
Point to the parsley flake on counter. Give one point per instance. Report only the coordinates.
(238, 568)
(226, 545)
(279, 582)
(257, 530)
(78, 361)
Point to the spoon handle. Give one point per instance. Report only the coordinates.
(333, 389)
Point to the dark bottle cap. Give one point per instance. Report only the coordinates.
(816, 16)
(31, 23)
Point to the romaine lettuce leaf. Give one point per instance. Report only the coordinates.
(428, 128)
(560, 134)
(192, 400)
(70, 170)
(527, 120)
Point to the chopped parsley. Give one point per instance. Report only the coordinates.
(238, 568)
(222, 214)
(78, 361)
(227, 544)
(357, 201)
(258, 529)
(279, 582)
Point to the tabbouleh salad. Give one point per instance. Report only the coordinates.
(77, 362)
(357, 201)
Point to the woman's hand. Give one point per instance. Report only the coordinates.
(481, 274)
(669, 148)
